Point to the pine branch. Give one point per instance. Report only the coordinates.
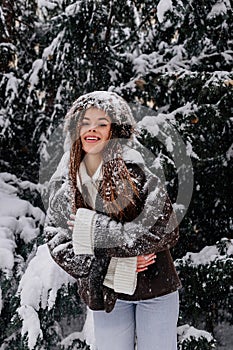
(151, 10)
(108, 31)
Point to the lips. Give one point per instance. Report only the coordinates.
(91, 138)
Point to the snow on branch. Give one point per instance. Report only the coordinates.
(222, 251)
(219, 8)
(162, 127)
(38, 289)
(186, 334)
(18, 219)
(30, 325)
(163, 7)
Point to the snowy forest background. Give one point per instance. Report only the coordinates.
(173, 57)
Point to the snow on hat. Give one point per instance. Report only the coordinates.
(113, 105)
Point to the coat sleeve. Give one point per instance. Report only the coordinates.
(153, 230)
(59, 236)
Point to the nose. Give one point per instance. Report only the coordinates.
(92, 128)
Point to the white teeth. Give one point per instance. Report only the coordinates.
(91, 138)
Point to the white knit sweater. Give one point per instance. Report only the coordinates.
(121, 275)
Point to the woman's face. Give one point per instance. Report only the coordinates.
(95, 130)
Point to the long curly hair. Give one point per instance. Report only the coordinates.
(118, 189)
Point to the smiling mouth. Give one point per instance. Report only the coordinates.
(91, 138)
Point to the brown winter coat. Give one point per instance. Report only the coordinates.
(144, 230)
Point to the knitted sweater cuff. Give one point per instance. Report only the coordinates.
(83, 231)
(121, 275)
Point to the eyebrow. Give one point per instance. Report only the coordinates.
(101, 118)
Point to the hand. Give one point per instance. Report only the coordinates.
(145, 260)
(71, 222)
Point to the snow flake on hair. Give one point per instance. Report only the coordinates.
(113, 105)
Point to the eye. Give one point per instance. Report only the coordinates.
(84, 124)
(102, 125)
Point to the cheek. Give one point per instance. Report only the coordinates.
(80, 136)
(81, 131)
(108, 133)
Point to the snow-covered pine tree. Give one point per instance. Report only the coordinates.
(174, 57)
(21, 224)
(184, 70)
(71, 48)
(207, 296)
(19, 107)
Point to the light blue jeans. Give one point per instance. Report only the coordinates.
(152, 321)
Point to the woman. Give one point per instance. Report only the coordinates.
(116, 241)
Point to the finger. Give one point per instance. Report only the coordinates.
(148, 261)
(72, 216)
(144, 258)
(149, 256)
(70, 223)
(142, 261)
(141, 269)
(144, 264)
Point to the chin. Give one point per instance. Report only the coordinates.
(93, 150)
